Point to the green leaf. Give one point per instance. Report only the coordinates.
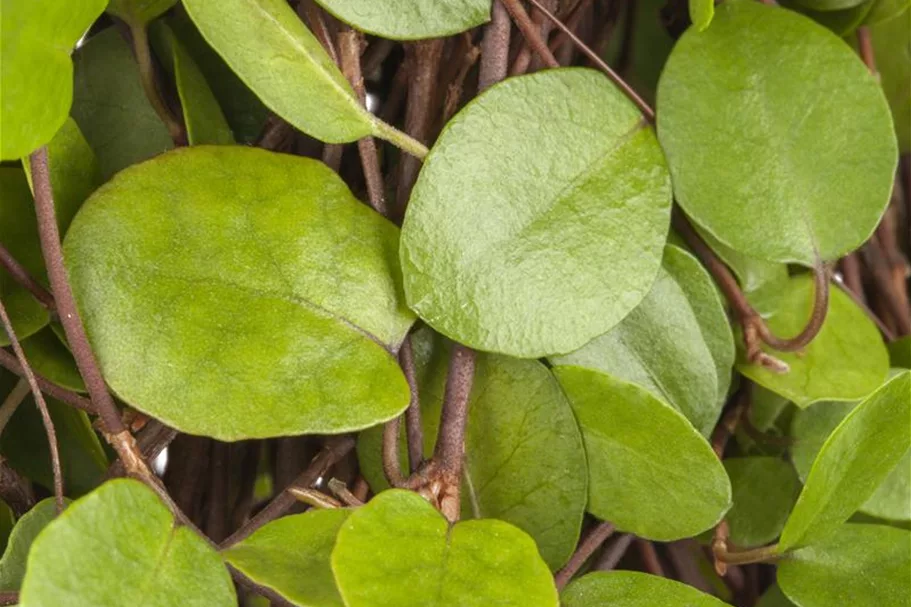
(677, 343)
(753, 130)
(36, 38)
(841, 22)
(809, 431)
(756, 276)
(138, 13)
(49, 357)
(764, 489)
(633, 589)
(206, 124)
(12, 564)
(650, 472)
(119, 545)
(398, 551)
(410, 19)
(291, 556)
(524, 458)
(845, 361)
(238, 293)
(884, 10)
(774, 597)
(829, 5)
(900, 352)
(892, 48)
(861, 566)
(110, 106)
(701, 13)
(531, 230)
(856, 457)
(262, 39)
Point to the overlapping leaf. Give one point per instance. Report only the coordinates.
(138, 13)
(410, 19)
(891, 43)
(764, 489)
(633, 589)
(12, 564)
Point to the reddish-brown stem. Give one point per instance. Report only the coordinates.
(10, 363)
(392, 467)
(851, 271)
(732, 417)
(450, 447)
(649, 556)
(25, 279)
(595, 538)
(865, 46)
(612, 554)
(414, 430)
(531, 31)
(42, 408)
(494, 47)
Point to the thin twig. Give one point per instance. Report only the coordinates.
(495, 48)
(22, 276)
(10, 363)
(340, 489)
(595, 538)
(392, 468)
(865, 46)
(650, 557)
(12, 401)
(140, 39)
(531, 32)
(732, 417)
(42, 407)
(612, 554)
(414, 430)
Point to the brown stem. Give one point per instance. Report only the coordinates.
(455, 89)
(10, 363)
(612, 554)
(531, 32)
(25, 279)
(391, 465)
(650, 557)
(853, 277)
(865, 46)
(42, 408)
(15, 490)
(595, 538)
(732, 417)
(414, 430)
(340, 489)
(495, 48)
(140, 38)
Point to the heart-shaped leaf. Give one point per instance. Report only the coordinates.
(119, 545)
(239, 293)
(753, 130)
(291, 556)
(677, 343)
(650, 472)
(861, 566)
(110, 106)
(139, 12)
(854, 460)
(275, 54)
(524, 459)
(27, 528)
(764, 489)
(539, 217)
(36, 39)
(410, 19)
(845, 361)
(397, 551)
(891, 40)
(633, 589)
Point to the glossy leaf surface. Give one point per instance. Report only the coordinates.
(12, 564)
(398, 551)
(633, 589)
(119, 545)
(410, 19)
(291, 556)
(753, 130)
(856, 457)
(764, 490)
(238, 281)
(539, 218)
(650, 472)
(677, 343)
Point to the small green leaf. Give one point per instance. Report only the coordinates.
(677, 343)
(410, 19)
(753, 130)
(119, 545)
(892, 48)
(884, 10)
(206, 124)
(49, 357)
(275, 54)
(36, 38)
(12, 565)
(238, 293)
(861, 566)
(900, 352)
(524, 459)
(650, 472)
(856, 457)
(764, 489)
(539, 218)
(110, 106)
(701, 13)
(138, 13)
(291, 556)
(633, 589)
(846, 361)
(398, 551)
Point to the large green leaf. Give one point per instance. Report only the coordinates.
(846, 361)
(119, 545)
(49, 357)
(524, 459)
(633, 589)
(764, 489)
(410, 19)
(36, 38)
(12, 564)
(275, 54)
(854, 460)
(139, 12)
(677, 343)
(892, 47)
(754, 129)
(539, 217)
(111, 107)
(238, 293)
(398, 551)
(861, 566)
(291, 556)
(650, 471)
